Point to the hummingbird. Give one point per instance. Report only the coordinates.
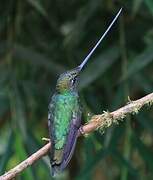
(64, 115)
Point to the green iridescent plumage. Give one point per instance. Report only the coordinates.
(66, 105)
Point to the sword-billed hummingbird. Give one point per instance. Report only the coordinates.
(64, 116)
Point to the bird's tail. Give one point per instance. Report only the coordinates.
(55, 170)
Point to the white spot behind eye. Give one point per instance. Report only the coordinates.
(73, 80)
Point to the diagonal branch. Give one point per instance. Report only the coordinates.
(101, 122)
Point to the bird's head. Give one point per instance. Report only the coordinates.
(68, 81)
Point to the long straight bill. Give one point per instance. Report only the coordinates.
(102, 37)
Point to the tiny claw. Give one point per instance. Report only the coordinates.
(81, 131)
(45, 139)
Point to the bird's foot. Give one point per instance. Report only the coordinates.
(81, 130)
(45, 139)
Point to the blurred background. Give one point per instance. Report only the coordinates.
(41, 39)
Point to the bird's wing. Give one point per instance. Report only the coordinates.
(51, 111)
(71, 138)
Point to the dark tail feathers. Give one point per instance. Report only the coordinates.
(56, 169)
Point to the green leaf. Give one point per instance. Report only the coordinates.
(7, 154)
(144, 82)
(37, 59)
(42, 167)
(37, 5)
(18, 109)
(136, 6)
(144, 119)
(22, 155)
(140, 62)
(144, 151)
(89, 167)
(149, 4)
(124, 162)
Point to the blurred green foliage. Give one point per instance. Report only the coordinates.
(41, 39)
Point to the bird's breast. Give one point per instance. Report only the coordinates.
(65, 106)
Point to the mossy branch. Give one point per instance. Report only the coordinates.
(102, 122)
